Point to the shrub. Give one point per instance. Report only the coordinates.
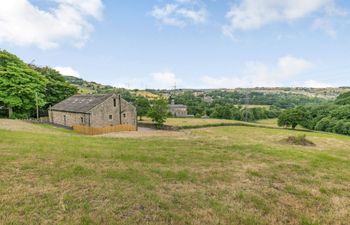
(299, 140)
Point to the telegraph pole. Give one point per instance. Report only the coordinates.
(37, 105)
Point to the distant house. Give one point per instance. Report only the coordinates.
(95, 111)
(208, 99)
(177, 110)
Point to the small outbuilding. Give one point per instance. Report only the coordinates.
(96, 111)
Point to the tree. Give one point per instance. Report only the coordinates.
(142, 106)
(343, 99)
(291, 117)
(19, 86)
(57, 88)
(222, 112)
(247, 115)
(159, 112)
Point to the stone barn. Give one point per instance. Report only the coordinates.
(96, 111)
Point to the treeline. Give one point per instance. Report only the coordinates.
(331, 117)
(23, 86)
(229, 111)
(278, 99)
(231, 105)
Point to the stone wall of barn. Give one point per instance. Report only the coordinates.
(68, 119)
(113, 111)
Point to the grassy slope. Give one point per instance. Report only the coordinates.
(227, 175)
(194, 122)
(187, 123)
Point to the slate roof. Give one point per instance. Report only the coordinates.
(177, 106)
(80, 103)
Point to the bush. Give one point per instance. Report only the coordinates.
(299, 140)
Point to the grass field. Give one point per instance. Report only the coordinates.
(186, 123)
(271, 122)
(194, 122)
(218, 175)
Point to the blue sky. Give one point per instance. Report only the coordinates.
(190, 43)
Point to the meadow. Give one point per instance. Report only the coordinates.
(187, 123)
(213, 175)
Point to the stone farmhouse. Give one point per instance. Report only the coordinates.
(177, 110)
(97, 111)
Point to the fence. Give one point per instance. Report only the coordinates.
(104, 130)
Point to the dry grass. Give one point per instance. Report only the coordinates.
(19, 125)
(221, 175)
(147, 133)
(268, 122)
(192, 122)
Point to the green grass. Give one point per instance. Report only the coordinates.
(220, 175)
(192, 123)
(270, 122)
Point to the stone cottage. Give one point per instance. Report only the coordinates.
(177, 110)
(96, 111)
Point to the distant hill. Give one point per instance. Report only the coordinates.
(90, 87)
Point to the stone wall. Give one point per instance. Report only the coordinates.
(68, 119)
(178, 112)
(121, 114)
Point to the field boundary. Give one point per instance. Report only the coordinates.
(237, 124)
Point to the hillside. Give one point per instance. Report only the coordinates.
(90, 87)
(227, 175)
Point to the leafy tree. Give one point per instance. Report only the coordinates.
(20, 86)
(57, 89)
(159, 112)
(343, 99)
(291, 117)
(247, 115)
(222, 112)
(142, 105)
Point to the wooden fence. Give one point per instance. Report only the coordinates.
(104, 130)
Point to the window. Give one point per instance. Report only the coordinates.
(82, 120)
(110, 117)
(115, 102)
(124, 115)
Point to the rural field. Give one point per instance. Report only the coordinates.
(198, 123)
(212, 175)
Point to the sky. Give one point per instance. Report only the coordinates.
(184, 43)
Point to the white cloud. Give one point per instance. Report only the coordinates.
(253, 14)
(257, 74)
(289, 66)
(22, 23)
(180, 13)
(166, 80)
(67, 71)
